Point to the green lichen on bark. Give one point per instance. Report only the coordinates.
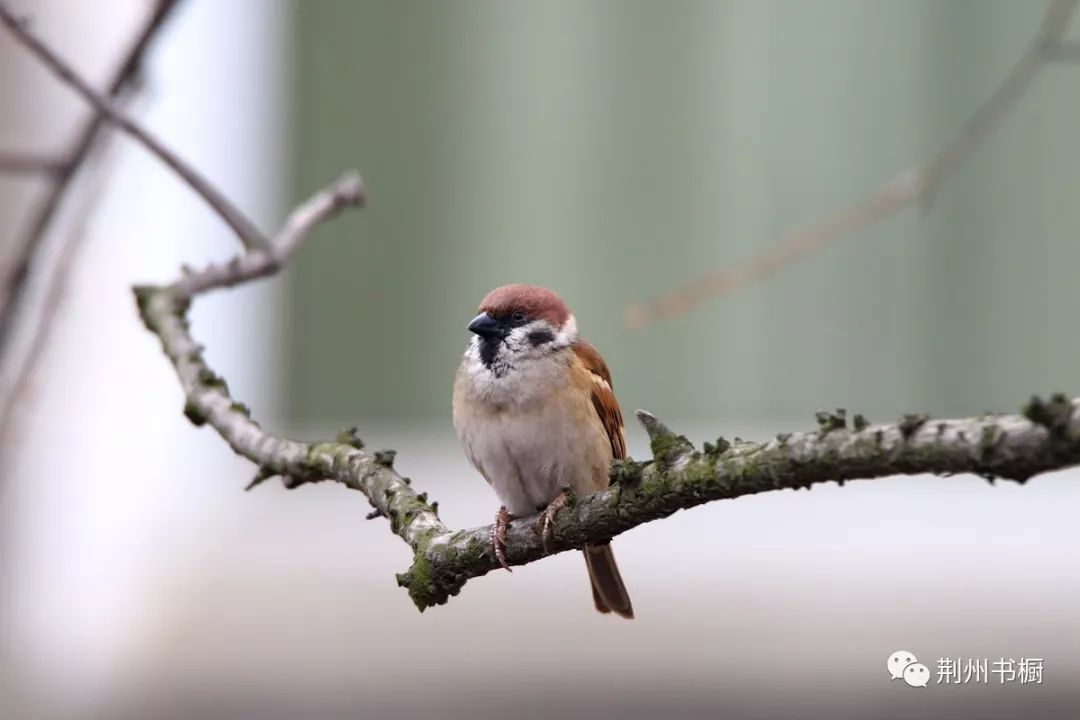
(989, 439)
(421, 581)
(1053, 414)
(667, 448)
(385, 457)
(211, 380)
(716, 449)
(351, 437)
(909, 424)
(194, 414)
(829, 421)
(625, 471)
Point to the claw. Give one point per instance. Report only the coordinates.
(498, 536)
(547, 519)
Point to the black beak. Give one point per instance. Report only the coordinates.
(486, 326)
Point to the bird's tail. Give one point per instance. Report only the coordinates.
(608, 590)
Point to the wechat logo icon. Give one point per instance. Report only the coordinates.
(904, 665)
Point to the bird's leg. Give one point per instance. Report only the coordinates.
(498, 536)
(547, 517)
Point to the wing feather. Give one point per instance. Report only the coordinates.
(603, 396)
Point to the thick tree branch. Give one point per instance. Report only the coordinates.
(915, 185)
(1046, 437)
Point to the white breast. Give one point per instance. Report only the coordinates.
(527, 435)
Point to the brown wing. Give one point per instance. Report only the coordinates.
(603, 397)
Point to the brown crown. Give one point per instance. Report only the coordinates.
(536, 302)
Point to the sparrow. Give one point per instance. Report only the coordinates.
(535, 412)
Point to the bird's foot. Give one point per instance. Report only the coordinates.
(498, 536)
(547, 518)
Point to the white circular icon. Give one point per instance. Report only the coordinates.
(898, 661)
(917, 675)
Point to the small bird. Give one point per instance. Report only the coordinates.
(535, 412)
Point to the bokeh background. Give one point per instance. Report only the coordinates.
(611, 151)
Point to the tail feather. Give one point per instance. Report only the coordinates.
(609, 592)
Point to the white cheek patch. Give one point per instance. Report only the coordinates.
(535, 340)
(519, 342)
(568, 333)
(518, 338)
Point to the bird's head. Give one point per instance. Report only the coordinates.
(518, 323)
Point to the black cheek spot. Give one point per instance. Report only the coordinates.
(540, 337)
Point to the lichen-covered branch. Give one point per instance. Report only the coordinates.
(1046, 436)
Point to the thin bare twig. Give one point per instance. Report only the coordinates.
(1064, 52)
(254, 264)
(15, 387)
(108, 108)
(14, 162)
(15, 277)
(917, 184)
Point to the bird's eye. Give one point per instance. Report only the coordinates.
(517, 316)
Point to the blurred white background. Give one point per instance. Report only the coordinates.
(107, 496)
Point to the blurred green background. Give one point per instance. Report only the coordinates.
(615, 150)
